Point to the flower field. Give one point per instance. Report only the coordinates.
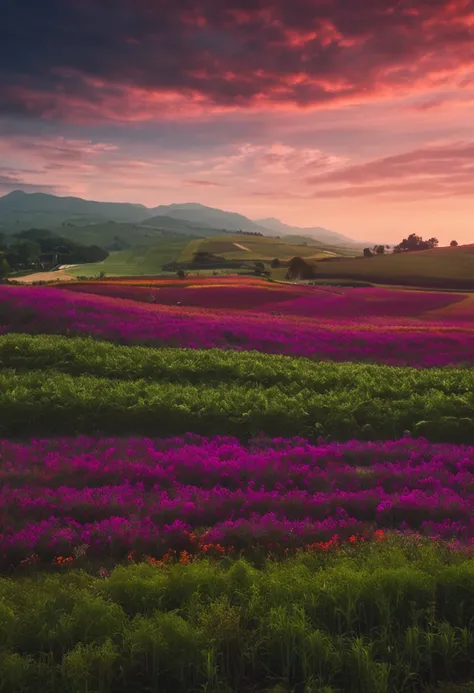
(113, 498)
(302, 301)
(45, 310)
(266, 488)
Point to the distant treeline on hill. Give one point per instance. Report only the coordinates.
(248, 233)
(42, 249)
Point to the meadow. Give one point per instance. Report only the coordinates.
(230, 485)
(446, 267)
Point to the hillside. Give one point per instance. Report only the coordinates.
(247, 248)
(121, 225)
(20, 210)
(134, 262)
(208, 216)
(451, 268)
(150, 258)
(316, 232)
(122, 236)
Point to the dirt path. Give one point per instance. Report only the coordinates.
(242, 247)
(56, 276)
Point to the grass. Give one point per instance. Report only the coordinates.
(440, 267)
(107, 233)
(392, 617)
(259, 248)
(68, 386)
(147, 261)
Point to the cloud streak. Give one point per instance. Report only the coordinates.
(435, 171)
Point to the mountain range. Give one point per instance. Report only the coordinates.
(20, 210)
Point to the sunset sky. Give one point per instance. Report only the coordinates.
(355, 115)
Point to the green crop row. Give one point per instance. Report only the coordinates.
(385, 618)
(79, 356)
(368, 402)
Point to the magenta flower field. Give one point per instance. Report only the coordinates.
(109, 497)
(328, 303)
(378, 340)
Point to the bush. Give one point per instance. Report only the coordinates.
(379, 619)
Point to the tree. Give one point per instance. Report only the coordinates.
(259, 268)
(300, 269)
(367, 252)
(275, 264)
(181, 274)
(26, 251)
(4, 268)
(414, 242)
(453, 244)
(380, 250)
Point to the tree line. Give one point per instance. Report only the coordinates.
(39, 248)
(407, 245)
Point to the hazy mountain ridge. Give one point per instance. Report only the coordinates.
(317, 232)
(210, 216)
(20, 210)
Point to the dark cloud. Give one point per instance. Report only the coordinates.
(10, 183)
(203, 183)
(121, 59)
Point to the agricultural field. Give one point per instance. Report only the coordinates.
(145, 260)
(153, 248)
(449, 268)
(242, 247)
(232, 485)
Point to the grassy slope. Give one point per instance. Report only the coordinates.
(106, 234)
(148, 261)
(260, 248)
(443, 267)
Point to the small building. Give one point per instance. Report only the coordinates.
(58, 256)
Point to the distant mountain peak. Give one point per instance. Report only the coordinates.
(317, 232)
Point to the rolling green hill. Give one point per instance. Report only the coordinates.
(112, 235)
(20, 210)
(262, 248)
(451, 268)
(134, 262)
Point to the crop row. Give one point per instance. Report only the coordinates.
(55, 403)
(79, 356)
(108, 497)
(52, 311)
(393, 617)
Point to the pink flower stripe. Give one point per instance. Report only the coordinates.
(305, 301)
(116, 496)
(42, 310)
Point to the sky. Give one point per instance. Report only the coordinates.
(354, 115)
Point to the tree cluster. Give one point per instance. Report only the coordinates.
(31, 249)
(415, 242)
(248, 233)
(298, 268)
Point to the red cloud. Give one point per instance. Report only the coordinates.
(147, 59)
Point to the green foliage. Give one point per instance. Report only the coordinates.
(62, 385)
(384, 617)
(300, 269)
